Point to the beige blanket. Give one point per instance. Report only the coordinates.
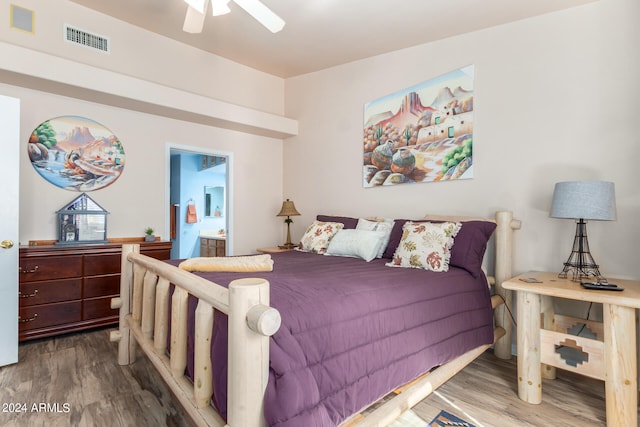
(232, 264)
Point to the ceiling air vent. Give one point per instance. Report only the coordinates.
(85, 38)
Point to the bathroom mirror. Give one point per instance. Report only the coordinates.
(213, 202)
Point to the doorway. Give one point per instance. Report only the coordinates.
(199, 194)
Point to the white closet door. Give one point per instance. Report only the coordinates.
(9, 177)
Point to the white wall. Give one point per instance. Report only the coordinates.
(137, 199)
(141, 53)
(554, 100)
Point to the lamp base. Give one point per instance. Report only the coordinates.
(580, 263)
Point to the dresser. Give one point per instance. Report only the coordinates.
(213, 246)
(69, 288)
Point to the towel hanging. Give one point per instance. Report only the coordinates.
(192, 216)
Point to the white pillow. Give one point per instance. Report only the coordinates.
(364, 244)
(385, 226)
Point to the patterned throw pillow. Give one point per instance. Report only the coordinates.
(425, 245)
(316, 238)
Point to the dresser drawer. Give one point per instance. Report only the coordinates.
(45, 315)
(95, 265)
(33, 293)
(48, 268)
(101, 286)
(160, 254)
(96, 308)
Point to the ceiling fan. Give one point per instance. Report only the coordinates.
(194, 21)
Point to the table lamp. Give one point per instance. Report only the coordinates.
(288, 210)
(581, 201)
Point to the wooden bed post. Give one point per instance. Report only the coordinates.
(251, 323)
(503, 271)
(126, 342)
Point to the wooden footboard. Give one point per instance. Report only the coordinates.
(144, 319)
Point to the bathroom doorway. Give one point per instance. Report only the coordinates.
(199, 195)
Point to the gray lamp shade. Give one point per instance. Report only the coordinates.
(592, 200)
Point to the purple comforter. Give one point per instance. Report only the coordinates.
(353, 331)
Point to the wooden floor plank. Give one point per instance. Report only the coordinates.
(81, 370)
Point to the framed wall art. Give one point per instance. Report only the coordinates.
(421, 134)
(76, 153)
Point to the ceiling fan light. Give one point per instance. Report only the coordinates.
(219, 7)
(199, 5)
(262, 14)
(194, 20)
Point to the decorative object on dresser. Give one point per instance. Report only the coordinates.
(583, 200)
(67, 288)
(148, 235)
(82, 221)
(288, 209)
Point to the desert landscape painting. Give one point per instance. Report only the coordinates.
(421, 134)
(76, 153)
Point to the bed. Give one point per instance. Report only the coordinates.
(319, 338)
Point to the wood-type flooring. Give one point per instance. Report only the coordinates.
(74, 380)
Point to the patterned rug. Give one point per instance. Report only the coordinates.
(446, 419)
(443, 419)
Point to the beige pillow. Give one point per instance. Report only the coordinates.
(425, 245)
(316, 238)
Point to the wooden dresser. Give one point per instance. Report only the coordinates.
(69, 288)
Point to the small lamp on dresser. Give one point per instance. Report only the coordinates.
(581, 201)
(288, 209)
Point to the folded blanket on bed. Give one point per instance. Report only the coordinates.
(234, 264)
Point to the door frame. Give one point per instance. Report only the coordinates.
(228, 194)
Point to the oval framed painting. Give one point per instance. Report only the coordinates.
(76, 153)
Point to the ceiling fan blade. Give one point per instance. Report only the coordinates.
(262, 13)
(199, 5)
(194, 21)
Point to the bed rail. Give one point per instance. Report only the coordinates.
(144, 318)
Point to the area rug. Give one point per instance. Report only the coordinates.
(445, 419)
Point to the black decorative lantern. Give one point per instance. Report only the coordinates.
(82, 221)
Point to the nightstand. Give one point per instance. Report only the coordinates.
(273, 250)
(610, 357)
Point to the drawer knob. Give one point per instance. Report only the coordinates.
(33, 270)
(6, 244)
(31, 319)
(33, 294)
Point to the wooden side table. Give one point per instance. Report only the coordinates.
(611, 357)
(273, 250)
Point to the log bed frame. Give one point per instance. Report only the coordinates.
(144, 320)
